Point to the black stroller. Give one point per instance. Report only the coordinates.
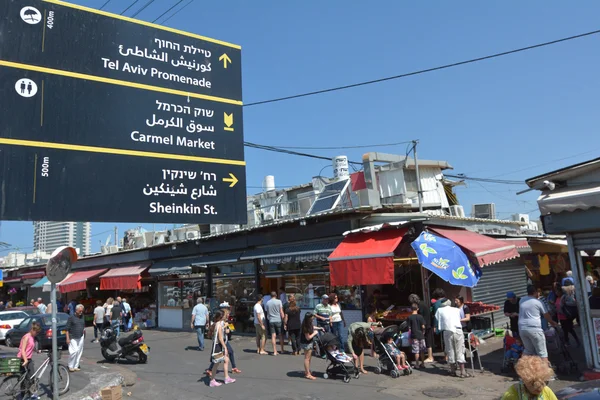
(385, 361)
(335, 366)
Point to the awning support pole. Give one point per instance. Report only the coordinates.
(425, 276)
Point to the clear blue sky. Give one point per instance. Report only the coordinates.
(510, 118)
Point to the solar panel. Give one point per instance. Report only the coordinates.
(330, 197)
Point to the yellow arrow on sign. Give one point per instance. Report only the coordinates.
(225, 58)
(228, 119)
(233, 180)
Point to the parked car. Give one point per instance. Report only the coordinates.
(29, 310)
(9, 319)
(44, 338)
(589, 390)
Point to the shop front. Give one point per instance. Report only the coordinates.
(569, 204)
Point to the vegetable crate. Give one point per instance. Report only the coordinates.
(10, 365)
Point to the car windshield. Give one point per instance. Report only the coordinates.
(61, 319)
(13, 315)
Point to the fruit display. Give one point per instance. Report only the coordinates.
(479, 307)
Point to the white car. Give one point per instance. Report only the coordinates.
(9, 319)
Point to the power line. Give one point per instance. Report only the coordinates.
(163, 14)
(131, 5)
(486, 180)
(177, 12)
(104, 5)
(135, 14)
(343, 147)
(423, 71)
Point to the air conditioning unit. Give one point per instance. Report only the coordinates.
(484, 211)
(521, 218)
(457, 211)
(268, 216)
(190, 235)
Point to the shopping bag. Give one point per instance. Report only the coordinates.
(129, 324)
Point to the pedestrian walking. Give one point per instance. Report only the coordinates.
(337, 316)
(225, 309)
(75, 333)
(275, 316)
(199, 321)
(220, 352)
(115, 318)
(41, 306)
(293, 324)
(309, 331)
(531, 311)
(448, 323)
(322, 313)
(259, 326)
(125, 314)
(566, 306)
(425, 312)
(99, 320)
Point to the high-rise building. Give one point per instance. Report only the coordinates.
(47, 236)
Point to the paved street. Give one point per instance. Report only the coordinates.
(176, 370)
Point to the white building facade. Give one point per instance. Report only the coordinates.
(47, 236)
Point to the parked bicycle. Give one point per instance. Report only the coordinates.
(19, 386)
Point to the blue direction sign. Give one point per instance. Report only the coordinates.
(106, 118)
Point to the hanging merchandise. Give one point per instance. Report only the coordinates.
(544, 264)
(445, 259)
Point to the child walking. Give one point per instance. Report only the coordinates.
(416, 323)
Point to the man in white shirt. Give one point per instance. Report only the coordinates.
(99, 313)
(448, 323)
(199, 321)
(41, 306)
(259, 326)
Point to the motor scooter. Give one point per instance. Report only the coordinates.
(130, 347)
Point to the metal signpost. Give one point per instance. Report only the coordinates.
(106, 118)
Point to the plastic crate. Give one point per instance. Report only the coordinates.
(10, 365)
(499, 332)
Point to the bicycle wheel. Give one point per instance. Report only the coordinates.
(63, 380)
(10, 387)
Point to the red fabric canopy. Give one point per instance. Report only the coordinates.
(77, 281)
(485, 249)
(122, 278)
(12, 279)
(33, 275)
(365, 258)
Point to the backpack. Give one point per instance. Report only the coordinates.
(568, 308)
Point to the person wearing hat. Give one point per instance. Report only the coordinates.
(323, 314)
(511, 310)
(225, 309)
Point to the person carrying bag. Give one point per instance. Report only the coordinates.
(219, 352)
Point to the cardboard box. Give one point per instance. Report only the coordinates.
(112, 393)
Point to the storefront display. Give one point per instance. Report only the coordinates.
(236, 285)
(176, 299)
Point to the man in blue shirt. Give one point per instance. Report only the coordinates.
(199, 320)
(72, 306)
(126, 314)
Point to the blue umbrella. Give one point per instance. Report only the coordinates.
(444, 258)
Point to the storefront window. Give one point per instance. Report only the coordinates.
(240, 293)
(349, 297)
(170, 294)
(307, 289)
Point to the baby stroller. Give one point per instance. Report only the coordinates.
(335, 366)
(558, 353)
(508, 362)
(385, 361)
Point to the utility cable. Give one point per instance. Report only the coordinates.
(135, 14)
(423, 71)
(177, 12)
(131, 5)
(104, 5)
(342, 147)
(166, 12)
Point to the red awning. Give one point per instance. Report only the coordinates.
(485, 249)
(520, 243)
(13, 279)
(33, 275)
(122, 278)
(365, 258)
(78, 280)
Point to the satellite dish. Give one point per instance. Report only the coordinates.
(60, 263)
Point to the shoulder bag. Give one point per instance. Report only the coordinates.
(218, 355)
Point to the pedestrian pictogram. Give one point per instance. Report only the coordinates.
(228, 119)
(26, 87)
(31, 15)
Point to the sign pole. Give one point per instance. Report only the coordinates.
(54, 343)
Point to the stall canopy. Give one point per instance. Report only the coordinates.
(175, 266)
(13, 279)
(77, 281)
(365, 258)
(223, 258)
(40, 283)
(297, 252)
(33, 275)
(570, 199)
(484, 249)
(123, 278)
